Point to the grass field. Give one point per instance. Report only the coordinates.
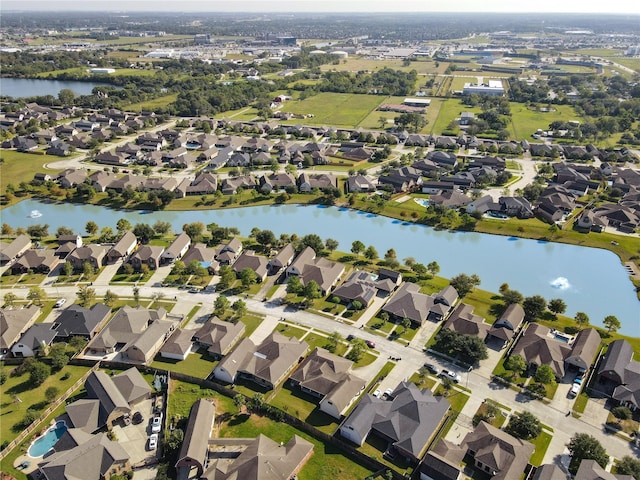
(339, 109)
(197, 364)
(525, 121)
(156, 103)
(18, 395)
(357, 64)
(84, 72)
(21, 167)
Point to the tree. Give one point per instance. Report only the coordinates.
(333, 341)
(311, 240)
(294, 285)
(524, 425)
(467, 348)
(247, 277)
(77, 343)
(371, 253)
(123, 225)
(221, 305)
(109, 298)
(612, 323)
(66, 96)
(10, 299)
(311, 290)
(391, 258)
(331, 244)
(36, 294)
(86, 295)
(161, 228)
(621, 412)
(582, 319)
(38, 231)
(433, 268)
(136, 295)
(239, 401)
(629, 466)
(358, 347)
(534, 307)
(516, 364)
(239, 308)
(557, 306)
(583, 446)
(58, 356)
(544, 374)
(38, 372)
(63, 231)
(265, 238)
(143, 232)
(512, 296)
(357, 247)
(67, 269)
(227, 277)
(194, 230)
(406, 324)
(464, 283)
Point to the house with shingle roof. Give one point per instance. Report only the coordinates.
(619, 374)
(195, 445)
(310, 267)
(228, 253)
(37, 260)
(259, 459)
(363, 287)
(497, 453)
(409, 302)
(506, 326)
(92, 254)
(329, 378)
(77, 320)
(462, 320)
(148, 255)
(409, 419)
(361, 183)
(178, 346)
(205, 256)
(177, 249)
(322, 181)
(266, 364)
(13, 323)
(249, 259)
(218, 336)
(11, 251)
(282, 260)
(35, 341)
(123, 247)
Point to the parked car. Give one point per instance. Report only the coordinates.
(153, 441)
(575, 388)
(370, 344)
(156, 424)
(194, 290)
(60, 302)
(137, 418)
(432, 368)
(450, 375)
(377, 393)
(387, 393)
(350, 337)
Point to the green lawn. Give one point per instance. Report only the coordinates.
(339, 109)
(21, 279)
(581, 402)
(197, 364)
(17, 395)
(541, 442)
(183, 395)
(305, 407)
(525, 121)
(326, 462)
(20, 167)
(160, 102)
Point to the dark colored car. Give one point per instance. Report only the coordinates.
(370, 344)
(137, 418)
(432, 368)
(350, 337)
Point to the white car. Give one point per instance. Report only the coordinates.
(153, 441)
(575, 388)
(60, 302)
(450, 375)
(377, 394)
(156, 424)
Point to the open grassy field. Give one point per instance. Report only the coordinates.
(633, 63)
(18, 395)
(21, 167)
(197, 364)
(449, 110)
(154, 104)
(339, 109)
(358, 64)
(84, 72)
(525, 121)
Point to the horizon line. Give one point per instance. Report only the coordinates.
(289, 12)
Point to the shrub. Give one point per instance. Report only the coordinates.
(621, 413)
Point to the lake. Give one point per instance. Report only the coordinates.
(27, 87)
(587, 279)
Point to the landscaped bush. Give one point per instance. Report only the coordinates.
(622, 413)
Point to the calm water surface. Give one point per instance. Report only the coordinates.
(28, 87)
(587, 279)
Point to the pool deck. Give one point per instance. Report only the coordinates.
(33, 463)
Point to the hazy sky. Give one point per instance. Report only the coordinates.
(571, 6)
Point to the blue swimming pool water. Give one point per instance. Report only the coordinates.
(46, 442)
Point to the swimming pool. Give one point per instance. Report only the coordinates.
(422, 201)
(44, 443)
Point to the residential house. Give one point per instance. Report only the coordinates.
(178, 346)
(361, 183)
(205, 256)
(101, 180)
(78, 321)
(148, 255)
(35, 341)
(11, 251)
(231, 185)
(363, 287)
(446, 160)
(309, 267)
(617, 216)
(128, 181)
(590, 470)
(497, 453)
(329, 378)
(218, 337)
(322, 181)
(136, 333)
(248, 259)
(506, 326)
(13, 323)
(37, 260)
(203, 184)
(409, 302)
(257, 459)
(176, 250)
(408, 420)
(282, 260)
(619, 374)
(95, 458)
(123, 247)
(450, 199)
(516, 207)
(588, 220)
(59, 148)
(229, 252)
(462, 320)
(541, 346)
(267, 364)
(483, 205)
(402, 179)
(442, 462)
(92, 254)
(194, 451)
(118, 159)
(276, 182)
(66, 244)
